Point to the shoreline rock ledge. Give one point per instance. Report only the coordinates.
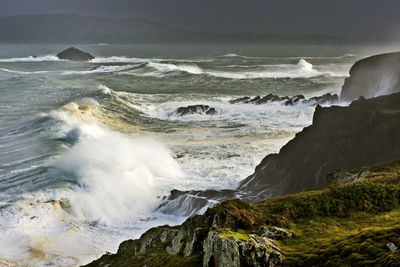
(75, 54)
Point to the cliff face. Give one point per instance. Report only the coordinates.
(366, 132)
(373, 76)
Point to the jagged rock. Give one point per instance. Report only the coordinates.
(196, 109)
(324, 99)
(74, 54)
(288, 101)
(221, 251)
(391, 246)
(244, 99)
(294, 100)
(275, 233)
(373, 76)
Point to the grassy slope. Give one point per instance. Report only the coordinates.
(338, 225)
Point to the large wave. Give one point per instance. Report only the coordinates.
(111, 181)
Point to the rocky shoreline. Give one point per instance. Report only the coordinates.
(364, 133)
(292, 230)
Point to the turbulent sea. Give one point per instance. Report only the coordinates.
(88, 149)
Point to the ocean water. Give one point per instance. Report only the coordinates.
(88, 149)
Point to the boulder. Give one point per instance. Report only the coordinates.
(74, 54)
(196, 109)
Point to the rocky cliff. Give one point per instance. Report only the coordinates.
(364, 133)
(373, 76)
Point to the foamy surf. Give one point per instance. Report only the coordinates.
(302, 69)
(31, 59)
(112, 180)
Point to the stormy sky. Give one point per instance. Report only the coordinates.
(328, 17)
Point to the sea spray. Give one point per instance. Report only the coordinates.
(119, 177)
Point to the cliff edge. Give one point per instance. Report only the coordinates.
(373, 76)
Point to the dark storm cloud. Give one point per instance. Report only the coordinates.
(334, 17)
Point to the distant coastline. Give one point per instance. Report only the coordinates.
(89, 29)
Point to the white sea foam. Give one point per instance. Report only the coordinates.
(118, 181)
(101, 69)
(106, 90)
(304, 65)
(31, 59)
(303, 69)
(22, 72)
(163, 67)
(124, 59)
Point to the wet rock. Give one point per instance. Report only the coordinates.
(74, 54)
(188, 203)
(196, 109)
(288, 101)
(244, 99)
(324, 99)
(294, 100)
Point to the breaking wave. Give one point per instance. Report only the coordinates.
(31, 59)
(303, 69)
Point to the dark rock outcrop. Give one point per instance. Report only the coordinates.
(74, 54)
(202, 240)
(288, 101)
(366, 132)
(196, 109)
(373, 76)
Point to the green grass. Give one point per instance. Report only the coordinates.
(238, 235)
(338, 225)
(357, 239)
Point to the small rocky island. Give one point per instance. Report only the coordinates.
(74, 54)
